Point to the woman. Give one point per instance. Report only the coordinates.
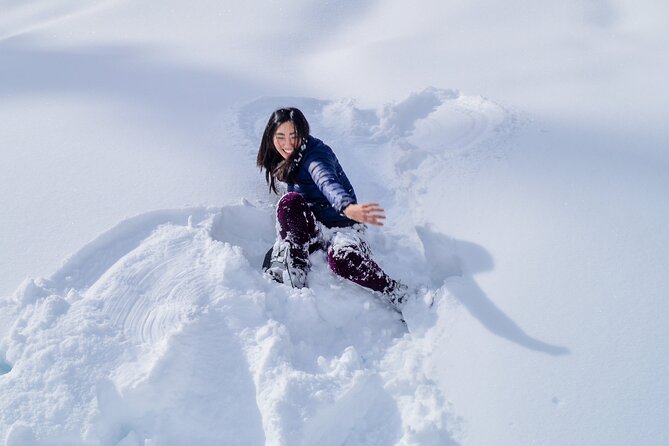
(320, 210)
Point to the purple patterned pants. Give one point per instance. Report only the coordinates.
(348, 255)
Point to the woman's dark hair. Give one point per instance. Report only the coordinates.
(268, 159)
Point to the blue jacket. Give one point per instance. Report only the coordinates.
(321, 180)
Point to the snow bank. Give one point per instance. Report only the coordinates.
(181, 340)
(163, 330)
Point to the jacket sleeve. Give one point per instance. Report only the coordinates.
(326, 173)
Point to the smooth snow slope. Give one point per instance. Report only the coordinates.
(540, 232)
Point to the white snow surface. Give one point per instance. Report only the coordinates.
(520, 152)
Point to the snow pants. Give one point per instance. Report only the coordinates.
(348, 254)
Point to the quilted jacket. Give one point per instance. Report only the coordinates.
(321, 180)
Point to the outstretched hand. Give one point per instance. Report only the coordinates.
(369, 213)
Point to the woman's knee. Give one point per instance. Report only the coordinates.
(350, 262)
(348, 242)
(294, 216)
(343, 259)
(291, 206)
(291, 200)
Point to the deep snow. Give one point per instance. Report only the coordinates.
(535, 216)
(142, 332)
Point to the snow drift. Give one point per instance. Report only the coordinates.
(164, 331)
(541, 233)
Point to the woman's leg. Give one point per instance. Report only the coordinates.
(348, 254)
(297, 235)
(350, 257)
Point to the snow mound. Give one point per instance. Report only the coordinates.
(164, 331)
(182, 340)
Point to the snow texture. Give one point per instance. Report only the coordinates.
(164, 329)
(520, 152)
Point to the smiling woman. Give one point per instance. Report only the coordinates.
(285, 139)
(320, 210)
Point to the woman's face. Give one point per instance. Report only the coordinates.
(285, 139)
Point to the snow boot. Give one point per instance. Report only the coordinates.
(400, 295)
(283, 269)
(397, 295)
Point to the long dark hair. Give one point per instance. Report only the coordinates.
(269, 160)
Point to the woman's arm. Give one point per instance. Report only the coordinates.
(322, 167)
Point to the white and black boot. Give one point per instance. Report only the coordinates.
(283, 269)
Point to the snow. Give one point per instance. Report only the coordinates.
(520, 152)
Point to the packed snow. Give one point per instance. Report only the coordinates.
(523, 169)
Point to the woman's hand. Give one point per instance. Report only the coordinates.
(369, 213)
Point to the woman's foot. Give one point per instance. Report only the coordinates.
(284, 269)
